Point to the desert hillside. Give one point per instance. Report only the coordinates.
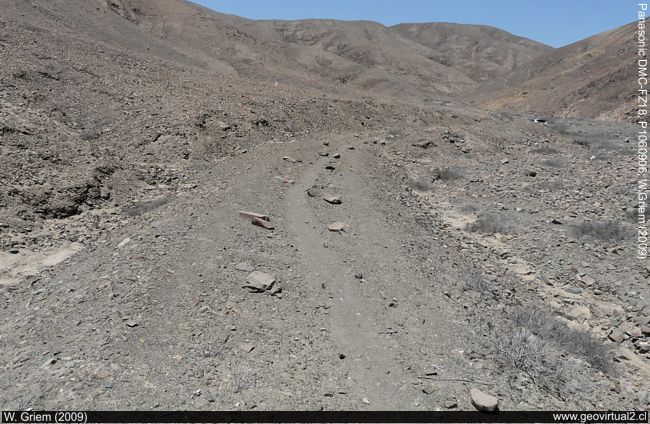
(590, 78)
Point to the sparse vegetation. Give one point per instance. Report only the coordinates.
(544, 151)
(577, 342)
(420, 183)
(537, 345)
(448, 174)
(553, 163)
(605, 231)
(474, 281)
(490, 224)
(583, 143)
(146, 206)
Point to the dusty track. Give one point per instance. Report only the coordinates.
(181, 259)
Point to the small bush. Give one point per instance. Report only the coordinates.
(580, 343)
(474, 281)
(544, 151)
(490, 224)
(525, 352)
(420, 183)
(605, 231)
(448, 174)
(469, 208)
(552, 163)
(146, 206)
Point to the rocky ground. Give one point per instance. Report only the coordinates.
(459, 261)
(406, 251)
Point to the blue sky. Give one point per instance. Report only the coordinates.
(553, 22)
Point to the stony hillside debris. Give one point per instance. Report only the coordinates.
(483, 401)
(289, 159)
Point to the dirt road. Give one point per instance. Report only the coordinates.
(163, 320)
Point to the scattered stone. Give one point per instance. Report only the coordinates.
(588, 280)
(211, 398)
(336, 155)
(573, 290)
(616, 335)
(123, 242)
(244, 266)
(323, 153)
(333, 199)
(262, 223)
(131, 323)
(246, 347)
(251, 215)
(285, 179)
(429, 389)
(483, 401)
(423, 144)
(330, 167)
(258, 282)
(431, 371)
(643, 346)
(630, 329)
(351, 147)
(504, 161)
(14, 251)
(358, 276)
(289, 159)
(48, 362)
(341, 355)
(102, 374)
(450, 404)
(366, 401)
(326, 143)
(337, 226)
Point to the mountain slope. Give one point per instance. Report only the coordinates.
(590, 78)
(361, 55)
(481, 52)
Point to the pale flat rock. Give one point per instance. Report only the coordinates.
(251, 215)
(258, 281)
(483, 401)
(337, 226)
(244, 266)
(262, 223)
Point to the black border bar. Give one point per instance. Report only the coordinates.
(323, 417)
